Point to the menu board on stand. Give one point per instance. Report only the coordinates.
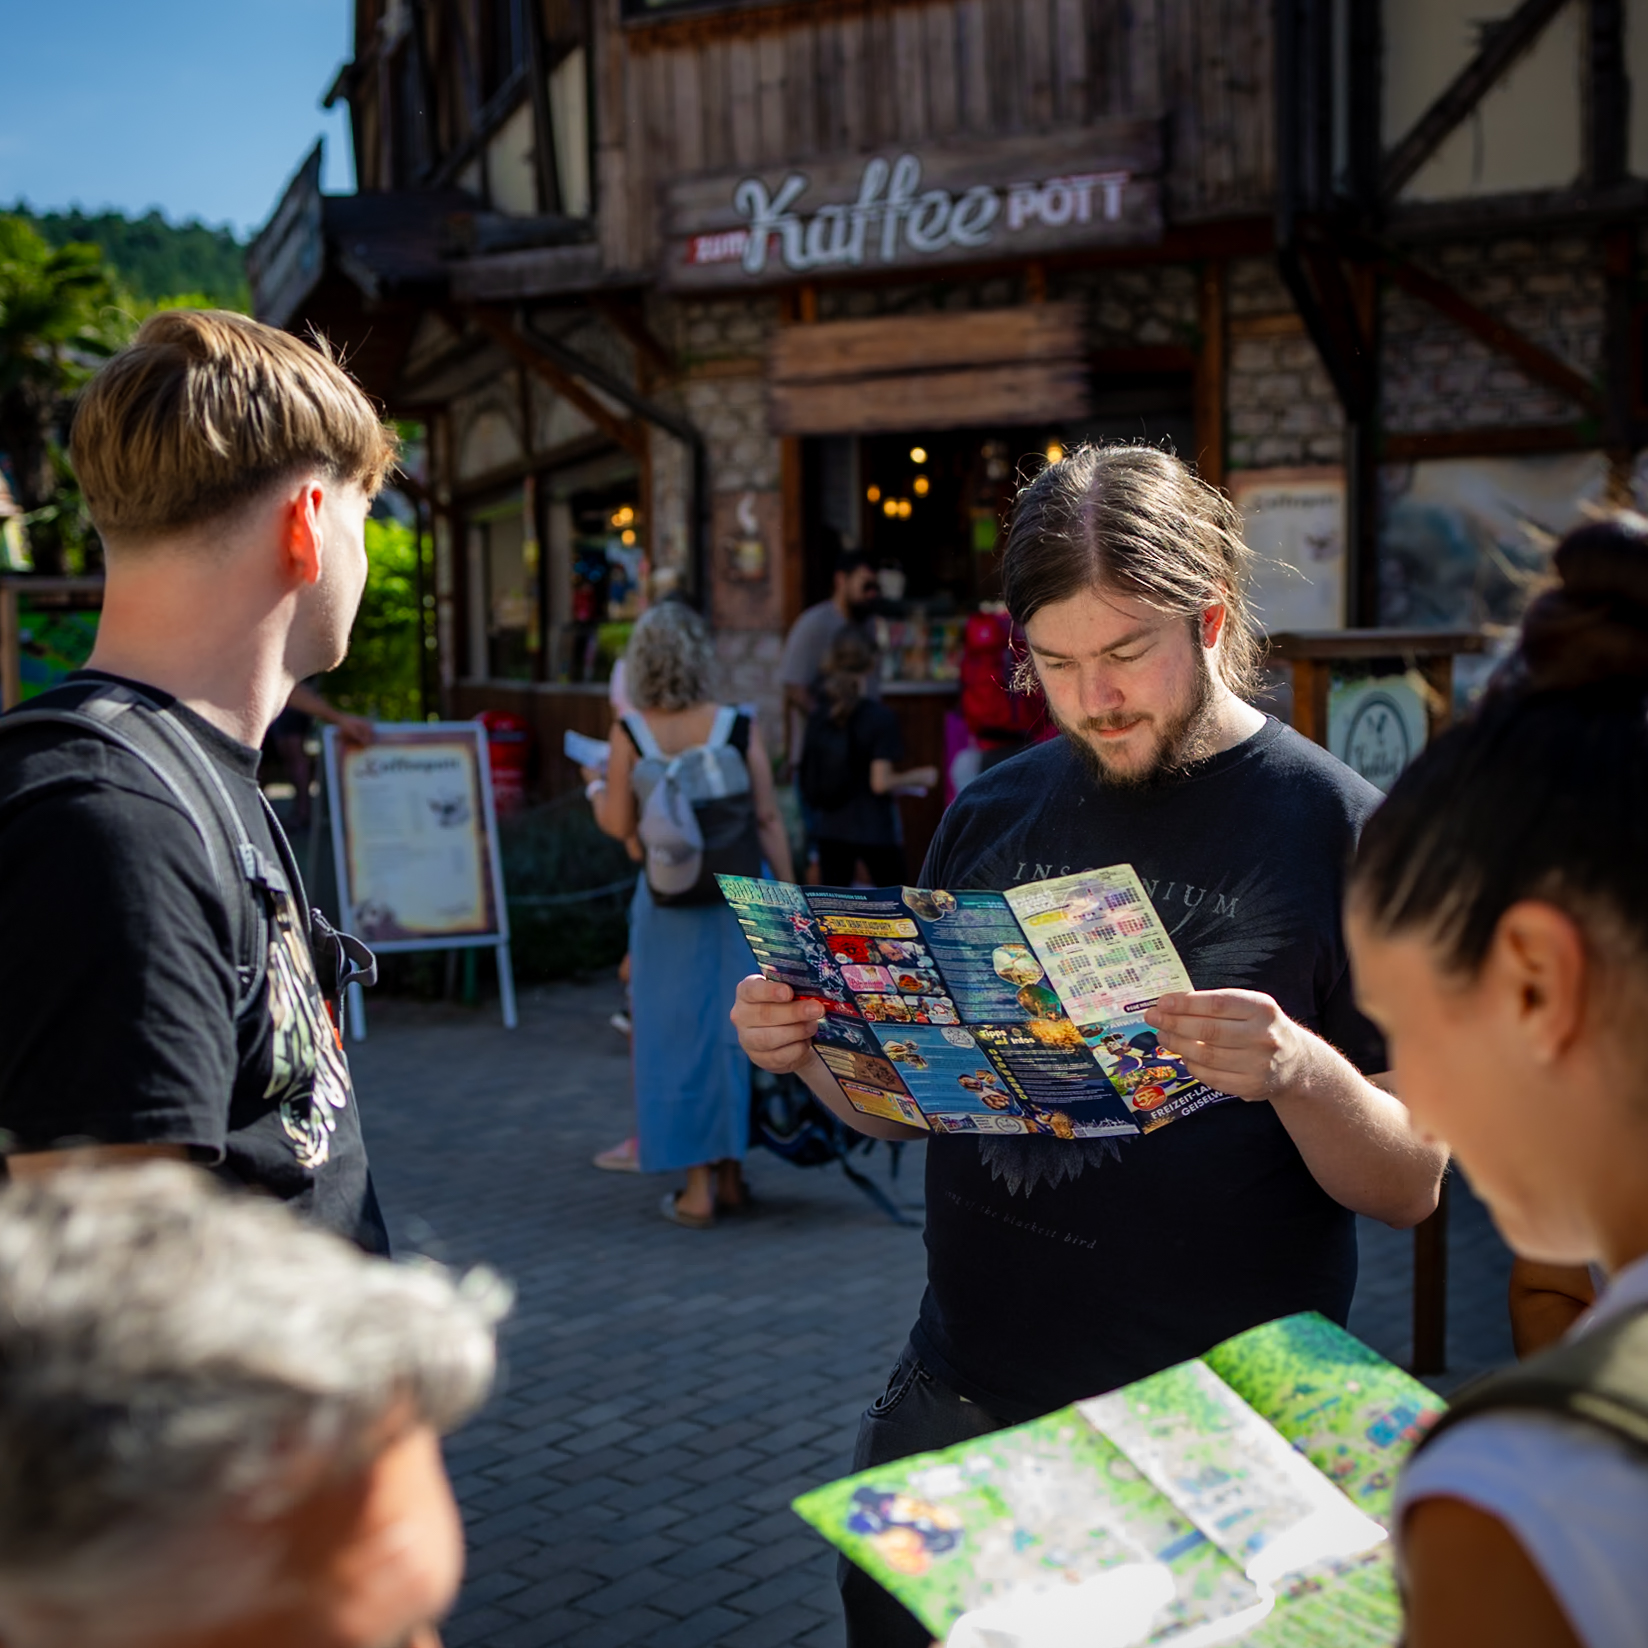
(415, 840)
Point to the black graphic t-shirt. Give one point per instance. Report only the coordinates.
(119, 985)
(1059, 1269)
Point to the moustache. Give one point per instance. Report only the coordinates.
(1112, 723)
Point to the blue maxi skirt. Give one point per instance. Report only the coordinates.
(692, 1081)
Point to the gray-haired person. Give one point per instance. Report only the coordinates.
(219, 1426)
(1059, 1268)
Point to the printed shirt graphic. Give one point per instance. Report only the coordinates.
(308, 1076)
(1061, 1268)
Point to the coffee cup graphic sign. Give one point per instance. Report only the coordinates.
(1377, 724)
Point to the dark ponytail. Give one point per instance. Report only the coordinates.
(1543, 793)
(849, 660)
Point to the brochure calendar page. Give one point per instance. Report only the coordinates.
(984, 1012)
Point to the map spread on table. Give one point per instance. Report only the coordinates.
(1241, 1497)
(984, 1012)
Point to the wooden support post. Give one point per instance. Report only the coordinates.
(1619, 271)
(1310, 699)
(1430, 1290)
(792, 575)
(1210, 376)
(11, 650)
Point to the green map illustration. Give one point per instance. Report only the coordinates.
(1189, 1473)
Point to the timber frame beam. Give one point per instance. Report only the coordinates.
(562, 369)
(1503, 44)
(1535, 360)
(628, 433)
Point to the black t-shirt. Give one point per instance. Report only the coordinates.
(1059, 1269)
(867, 818)
(119, 981)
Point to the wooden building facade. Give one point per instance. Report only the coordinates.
(690, 294)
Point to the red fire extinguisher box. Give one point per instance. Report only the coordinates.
(509, 752)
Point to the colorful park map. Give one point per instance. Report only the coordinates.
(1240, 1497)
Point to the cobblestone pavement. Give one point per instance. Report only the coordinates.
(667, 1392)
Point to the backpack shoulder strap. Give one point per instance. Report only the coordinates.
(726, 718)
(635, 725)
(151, 734)
(1599, 1379)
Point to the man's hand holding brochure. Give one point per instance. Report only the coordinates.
(982, 1012)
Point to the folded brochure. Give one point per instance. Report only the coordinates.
(984, 1012)
(1244, 1496)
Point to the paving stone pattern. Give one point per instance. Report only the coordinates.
(667, 1392)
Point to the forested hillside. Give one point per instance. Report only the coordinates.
(153, 258)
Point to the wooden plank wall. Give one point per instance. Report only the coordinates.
(764, 89)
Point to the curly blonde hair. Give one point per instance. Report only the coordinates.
(670, 661)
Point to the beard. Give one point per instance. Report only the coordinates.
(1182, 739)
(861, 612)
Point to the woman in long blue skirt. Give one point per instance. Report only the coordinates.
(692, 1083)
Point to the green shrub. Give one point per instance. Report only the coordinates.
(381, 676)
(552, 851)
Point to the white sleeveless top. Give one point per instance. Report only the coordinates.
(1576, 1499)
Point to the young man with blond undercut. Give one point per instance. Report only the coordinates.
(159, 977)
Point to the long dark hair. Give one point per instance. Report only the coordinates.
(1136, 519)
(1544, 792)
(849, 659)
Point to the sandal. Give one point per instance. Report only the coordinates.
(621, 1158)
(670, 1207)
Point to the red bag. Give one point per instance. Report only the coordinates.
(989, 706)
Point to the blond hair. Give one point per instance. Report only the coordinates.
(670, 661)
(204, 410)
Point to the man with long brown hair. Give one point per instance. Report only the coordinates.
(159, 977)
(1062, 1267)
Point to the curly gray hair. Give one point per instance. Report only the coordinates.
(670, 661)
(175, 1363)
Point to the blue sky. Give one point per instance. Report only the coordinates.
(203, 108)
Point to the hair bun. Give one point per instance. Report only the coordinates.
(1593, 628)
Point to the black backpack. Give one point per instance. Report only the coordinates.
(246, 880)
(832, 770)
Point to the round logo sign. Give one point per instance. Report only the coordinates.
(1376, 744)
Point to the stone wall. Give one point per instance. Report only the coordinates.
(1280, 407)
(1129, 308)
(748, 661)
(722, 347)
(1438, 376)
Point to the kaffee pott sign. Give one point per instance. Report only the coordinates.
(916, 209)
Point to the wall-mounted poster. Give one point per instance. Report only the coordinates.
(1465, 542)
(1377, 724)
(416, 843)
(1294, 521)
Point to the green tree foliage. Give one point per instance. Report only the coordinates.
(156, 259)
(58, 319)
(381, 675)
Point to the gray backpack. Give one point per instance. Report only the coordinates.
(697, 810)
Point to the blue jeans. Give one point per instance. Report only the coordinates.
(915, 1414)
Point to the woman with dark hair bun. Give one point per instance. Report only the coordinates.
(1498, 923)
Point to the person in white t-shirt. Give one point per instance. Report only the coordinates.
(1498, 926)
